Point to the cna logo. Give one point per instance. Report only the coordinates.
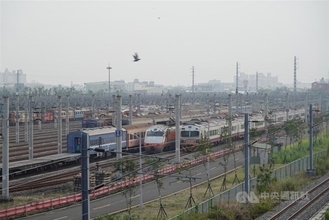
(243, 197)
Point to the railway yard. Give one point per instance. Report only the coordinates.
(56, 158)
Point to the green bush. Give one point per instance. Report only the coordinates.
(287, 185)
(326, 216)
(217, 213)
(322, 165)
(257, 209)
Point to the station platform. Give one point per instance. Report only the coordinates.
(42, 162)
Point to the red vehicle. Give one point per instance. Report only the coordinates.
(159, 138)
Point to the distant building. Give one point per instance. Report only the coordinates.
(248, 82)
(10, 78)
(322, 85)
(211, 86)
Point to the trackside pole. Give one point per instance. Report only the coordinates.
(5, 150)
(246, 153)
(30, 128)
(85, 177)
(177, 134)
(59, 118)
(118, 132)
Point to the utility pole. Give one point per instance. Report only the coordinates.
(67, 123)
(5, 149)
(266, 113)
(109, 68)
(130, 110)
(311, 170)
(30, 128)
(256, 82)
(193, 88)
(295, 74)
(177, 134)
(246, 153)
(230, 114)
(26, 118)
(93, 106)
(59, 118)
(141, 172)
(287, 107)
(85, 177)
(237, 79)
(118, 132)
(17, 117)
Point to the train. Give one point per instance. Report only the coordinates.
(48, 116)
(159, 138)
(132, 136)
(216, 130)
(100, 122)
(156, 138)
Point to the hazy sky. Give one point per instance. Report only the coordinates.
(63, 41)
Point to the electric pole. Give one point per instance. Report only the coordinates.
(193, 88)
(109, 68)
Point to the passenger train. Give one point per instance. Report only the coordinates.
(194, 131)
(46, 117)
(105, 138)
(158, 138)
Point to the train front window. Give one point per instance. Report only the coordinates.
(185, 134)
(154, 133)
(190, 134)
(194, 134)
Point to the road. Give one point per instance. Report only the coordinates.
(117, 202)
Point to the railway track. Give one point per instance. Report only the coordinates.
(303, 203)
(61, 178)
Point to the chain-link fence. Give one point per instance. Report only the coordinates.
(230, 195)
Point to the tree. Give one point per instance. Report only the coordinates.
(203, 150)
(155, 167)
(225, 135)
(128, 166)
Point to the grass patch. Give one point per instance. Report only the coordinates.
(293, 152)
(175, 203)
(31, 197)
(235, 211)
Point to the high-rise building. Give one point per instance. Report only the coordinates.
(8, 78)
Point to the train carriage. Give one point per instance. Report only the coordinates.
(103, 138)
(133, 132)
(78, 114)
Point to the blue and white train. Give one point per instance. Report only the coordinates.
(104, 138)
